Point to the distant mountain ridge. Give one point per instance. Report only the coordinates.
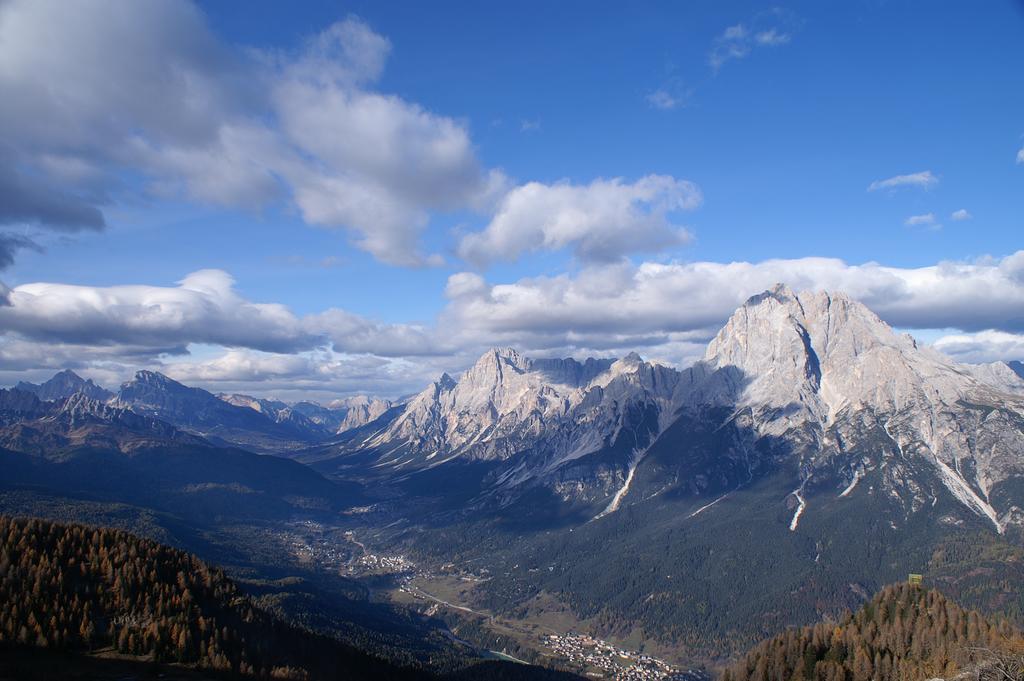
(82, 446)
(201, 412)
(65, 384)
(339, 416)
(263, 425)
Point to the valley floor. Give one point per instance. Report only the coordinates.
(549, 632)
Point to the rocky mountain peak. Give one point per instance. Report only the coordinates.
(80, 406)
(821, 370)
(631, 360)
(817, 352)
(153, 378)
(64, 384)
(16, 404)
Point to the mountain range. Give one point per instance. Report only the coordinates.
(812, 455)
(812, 381)
(261, 425)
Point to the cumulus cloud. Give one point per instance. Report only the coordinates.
(960, 215)
(984, 346)
(621, 304)
(772, 28)
(319, 374)
(194, 116)
(322, 375)
(71, 98)
(600, 222)
(240, 365)
(923, 180)
(203, 308)
(352, 333)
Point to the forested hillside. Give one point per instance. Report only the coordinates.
(77, 588)
(905, 633)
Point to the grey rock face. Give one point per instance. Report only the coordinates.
(538, 420)
(822, 372)
(815, 381)
(65, 384)
(200, 412)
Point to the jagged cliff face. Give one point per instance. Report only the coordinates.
(816, 354)
(845, 396)
(338, 417)
(535, 420)
(1005, 376)
(353, 412)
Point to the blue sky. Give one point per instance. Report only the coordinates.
(536, 130)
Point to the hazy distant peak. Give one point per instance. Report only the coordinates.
(63, 384)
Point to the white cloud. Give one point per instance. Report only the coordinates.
(601, 221)
(348, 332)
(321, 375)
(771, 28)
(925, 220)
(1020, 155)
(922, 180)
(202, 308)
(628, 306)
(961, 215)
(984, 346)
(199, 118)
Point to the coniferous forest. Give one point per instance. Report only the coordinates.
(78, 589)
(905, 633)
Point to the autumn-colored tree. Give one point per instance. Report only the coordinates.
(75, 588)
(906, 633)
